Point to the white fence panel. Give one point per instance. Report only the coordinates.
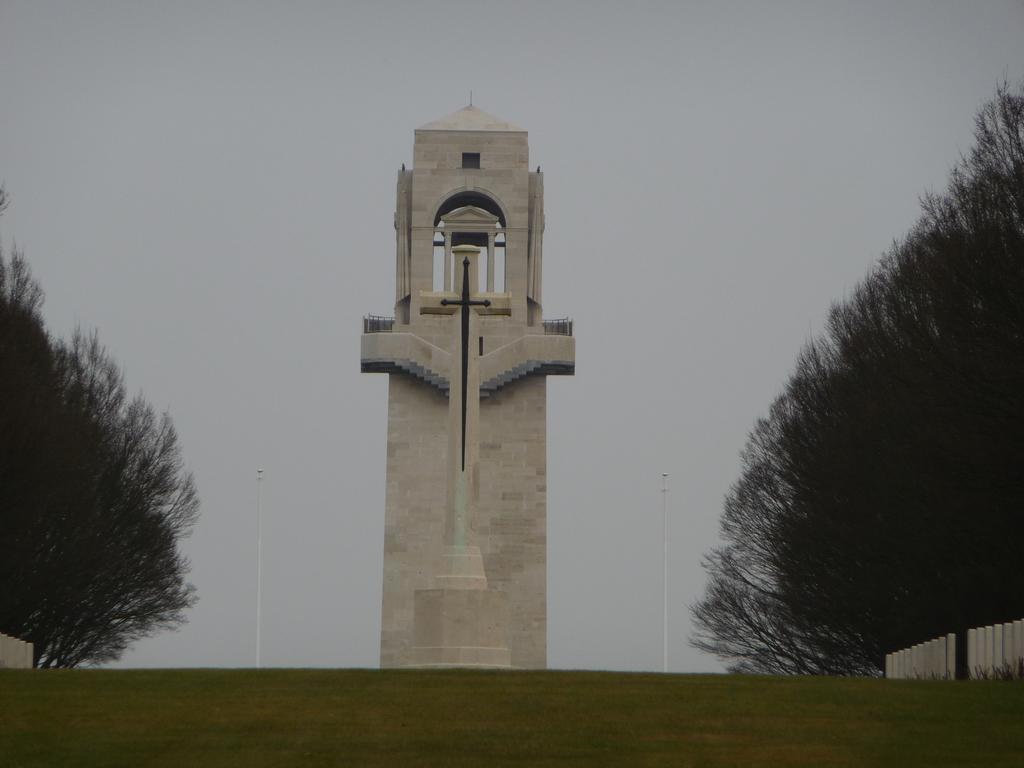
(15, 653)
(932, 660)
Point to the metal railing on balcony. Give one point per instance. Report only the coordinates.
(378, 324)
(561, 327)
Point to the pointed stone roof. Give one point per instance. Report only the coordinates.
(471, 119)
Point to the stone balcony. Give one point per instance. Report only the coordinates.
(551, 353)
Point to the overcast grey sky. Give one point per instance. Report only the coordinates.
(211, 186)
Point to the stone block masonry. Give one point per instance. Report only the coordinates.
(996, 650)
(930, 660)
(465, 549)
(15, 653)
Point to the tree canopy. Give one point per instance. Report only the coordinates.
(93, 493)
(880, 502)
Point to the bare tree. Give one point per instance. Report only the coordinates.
(93, 493)
(880, 502)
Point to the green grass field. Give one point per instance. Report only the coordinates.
(463, 718)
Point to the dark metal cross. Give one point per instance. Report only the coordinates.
(465, 302)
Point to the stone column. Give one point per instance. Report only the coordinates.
(490, 262)
(1018, 644)
(15, 653)
(463, 479)
(447, 261)
(462, 622)
(972, 653)
(982, 653)
(951, 656)
(990, 654)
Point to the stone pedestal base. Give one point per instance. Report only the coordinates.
(463, 569)
(460, 628)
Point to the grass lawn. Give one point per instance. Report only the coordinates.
(465, 718)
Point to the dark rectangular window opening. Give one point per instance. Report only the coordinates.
(481, 346)
(470, 159)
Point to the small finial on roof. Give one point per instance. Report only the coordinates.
(471, 98)
(403, 166)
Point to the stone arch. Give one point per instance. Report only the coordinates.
(476, 197)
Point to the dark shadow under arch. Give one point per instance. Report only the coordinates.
(474, 198)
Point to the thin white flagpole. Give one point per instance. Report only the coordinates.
(664, 564)
(259, 562)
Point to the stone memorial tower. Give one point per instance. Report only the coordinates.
(467, 353)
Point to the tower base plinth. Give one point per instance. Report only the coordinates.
(460, 628)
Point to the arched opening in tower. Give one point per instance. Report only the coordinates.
(475, 199)
(470, 218)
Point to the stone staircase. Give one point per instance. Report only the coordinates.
(537, 354)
